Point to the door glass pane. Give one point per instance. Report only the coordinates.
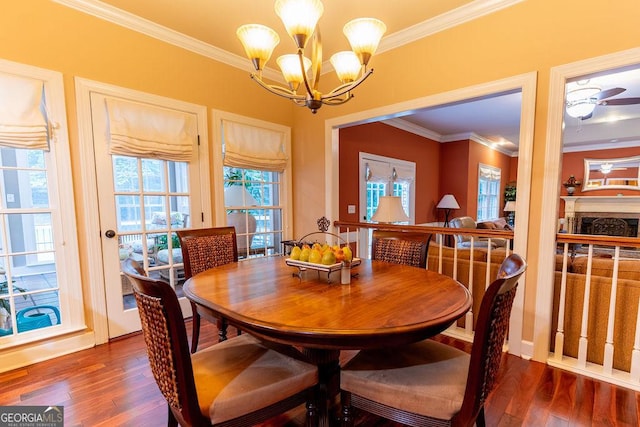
(152, 242)
(126, 180)
(128, 213)
(153, 173)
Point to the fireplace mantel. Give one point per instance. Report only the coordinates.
(604, 204)
(624, 204)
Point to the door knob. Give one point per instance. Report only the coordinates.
(110, 234)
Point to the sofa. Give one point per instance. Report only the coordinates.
(464, 241)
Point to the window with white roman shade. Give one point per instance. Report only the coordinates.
(252, 147)
(23, 123)
(144, 130)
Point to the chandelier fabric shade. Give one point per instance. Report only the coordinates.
(300, 19)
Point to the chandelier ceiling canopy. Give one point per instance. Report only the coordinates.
(300, 18)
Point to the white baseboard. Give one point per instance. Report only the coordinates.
(41, 351)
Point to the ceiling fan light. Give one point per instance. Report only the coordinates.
(290, 67)
(259, 42)
(347, 66)
(364, 35)
(582, 93)
(605, 168)
(300, 18)
(580, 108)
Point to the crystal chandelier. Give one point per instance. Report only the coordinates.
(300, 18)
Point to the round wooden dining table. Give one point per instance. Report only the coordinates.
(384, 305)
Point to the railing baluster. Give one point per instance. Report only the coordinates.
(584, 340)
(608, 346)
(468, 320)
(635, 353)
(559, 344)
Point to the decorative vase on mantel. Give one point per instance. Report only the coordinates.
(571, 184)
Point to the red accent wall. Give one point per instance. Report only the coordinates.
(573, 164)
(384, 140)
(440, 168)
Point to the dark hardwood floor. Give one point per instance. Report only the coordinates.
(112, 385)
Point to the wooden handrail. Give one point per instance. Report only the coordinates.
(587, 239)
(491, 233)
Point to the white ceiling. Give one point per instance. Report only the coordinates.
(208, 27)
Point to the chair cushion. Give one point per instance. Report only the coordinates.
(426, 378)
(240, 375)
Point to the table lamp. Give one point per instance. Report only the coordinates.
(448, 203)
(390, 210)
(509, 209)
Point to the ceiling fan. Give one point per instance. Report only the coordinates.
(582, 100)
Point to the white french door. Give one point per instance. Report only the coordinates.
(383, 176)
(142, 202)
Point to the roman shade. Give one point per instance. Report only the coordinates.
(377, 171)
(143, 130)
(22, 119)
(251, 147)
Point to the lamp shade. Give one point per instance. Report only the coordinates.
(259, 42)
(510, 206)
(448, 202)
(238, 196)
(390, 210)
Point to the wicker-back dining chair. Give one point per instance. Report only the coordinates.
(400, 247)
(202, 249)
(429, 383)
(239, 382)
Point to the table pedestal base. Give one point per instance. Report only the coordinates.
(328, 362)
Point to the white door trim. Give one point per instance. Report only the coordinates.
(527, 83)
(95, 269)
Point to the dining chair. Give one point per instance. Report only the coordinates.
(202, 249)
(430, 383)
(239, 382)
(400, 247)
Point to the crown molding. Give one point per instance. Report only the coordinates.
(450, 19)
(435, 136)
(465, 13)
(414, 129)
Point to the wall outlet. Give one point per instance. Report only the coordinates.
(351, 209)
(10, 198)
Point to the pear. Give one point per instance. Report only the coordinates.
(295, 253)
(328, 258)
(304, 254)
(348, 255)
(315, 256)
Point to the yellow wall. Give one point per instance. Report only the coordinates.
(44, 34)
(532, 36)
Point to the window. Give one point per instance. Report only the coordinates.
(39, 262)
(488, 192)
(252, 201)
(385, 176)
(254, 194)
